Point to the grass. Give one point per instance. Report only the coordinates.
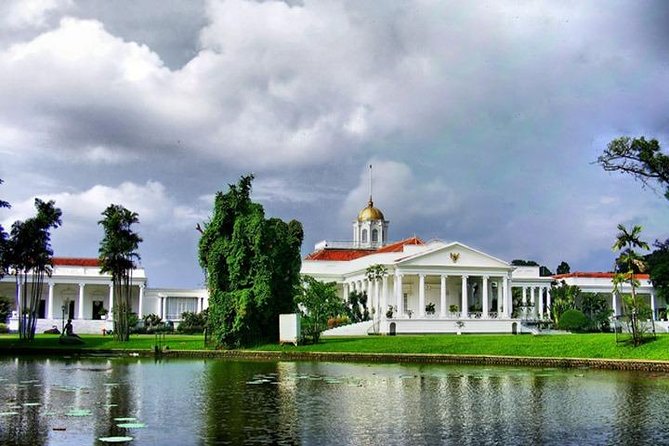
(594, 345)
(99, 342)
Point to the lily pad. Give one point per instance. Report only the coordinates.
(115, 439)
(78, 413)
(131, 425)
(32, 404)
(8, 414)
(125, 419)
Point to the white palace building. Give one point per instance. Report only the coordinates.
(77, 290)
(464, 289)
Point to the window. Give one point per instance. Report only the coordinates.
(375, 235)
(178, 305)
(364, 236)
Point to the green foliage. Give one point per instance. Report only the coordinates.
(563, 298)
(658, 268)
(628, 264)
(318, 302)
(376, 272)
(574, 320)
(152, 321)
(563, 268)
(28, 253)
(192, 323)
(520, 262)
(356, 307)
(429, 308)
(596, 309)
(5, 308)
(642, 159)
(3, 242)
(117, 255)
(252, 265)
(4, 328)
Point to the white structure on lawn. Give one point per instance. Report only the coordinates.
(438, 287)
(77, 290)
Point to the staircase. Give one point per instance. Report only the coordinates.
(359, 329)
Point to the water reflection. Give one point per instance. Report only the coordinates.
(201, 402)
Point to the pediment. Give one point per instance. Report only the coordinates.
(453, 255)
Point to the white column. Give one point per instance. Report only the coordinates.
(19, 292)
(548, 301)
(421, 295)
(533, 301)
(346, 291)
(508, 311)
(652, 304)
(400, 296)
(442, 296)
(614, 303)
(80, 313)
(384, 297)
(377, 298)
(485, 298)
(524, 295)
(164, 308)
(49, 306)
(140, 311)
(110, 315)
(541, 303)
(463, 303)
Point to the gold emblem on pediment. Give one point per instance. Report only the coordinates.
(455, 256)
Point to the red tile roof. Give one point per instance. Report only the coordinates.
(344, 255)
(72, 261)
(595, 275)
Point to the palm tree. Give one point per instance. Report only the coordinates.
(117, 255)
(3, 241)
(29, 255)
(627, 265)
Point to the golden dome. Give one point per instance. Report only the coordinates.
(370, 213)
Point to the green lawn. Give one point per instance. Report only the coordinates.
(99, 342)
(596, 345)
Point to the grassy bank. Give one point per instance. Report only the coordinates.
(99, 342)
(593, 346)
(596, 346)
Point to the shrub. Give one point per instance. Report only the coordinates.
(5, 308)
(337, 321)
(574, 320)
(192, 323)
(4, 328)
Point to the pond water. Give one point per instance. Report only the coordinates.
(77, 401)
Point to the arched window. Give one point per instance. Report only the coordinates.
(375, 235)
(364, 236)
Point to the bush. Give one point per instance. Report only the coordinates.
(574, 320)
(337, 321)
(4, 328)
(5, 308)
(192, 323)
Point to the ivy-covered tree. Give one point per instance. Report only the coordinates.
(628, 264)
(252, 266)
(642, 159)
(29, 255)
(117, 255)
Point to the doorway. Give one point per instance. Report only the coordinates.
(98, 306)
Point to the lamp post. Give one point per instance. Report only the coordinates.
(63, 319)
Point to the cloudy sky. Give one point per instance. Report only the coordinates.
(482, 119)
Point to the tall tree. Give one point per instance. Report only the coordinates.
(29, 255)
(658, 267)
(628, 264)
(563, 268)
(252, 266)
(318, 301)
(642, 159)
(3, 241)
(117, 255)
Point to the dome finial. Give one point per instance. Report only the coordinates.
(371, 202)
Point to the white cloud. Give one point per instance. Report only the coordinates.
(18, 14)
(402, 195)
(82, 209)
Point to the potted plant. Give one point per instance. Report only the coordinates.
(103, 312)
(429, 308)
(453, 308)
(390, 311)
(409, 313)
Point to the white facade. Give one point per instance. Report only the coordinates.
(77, 290)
